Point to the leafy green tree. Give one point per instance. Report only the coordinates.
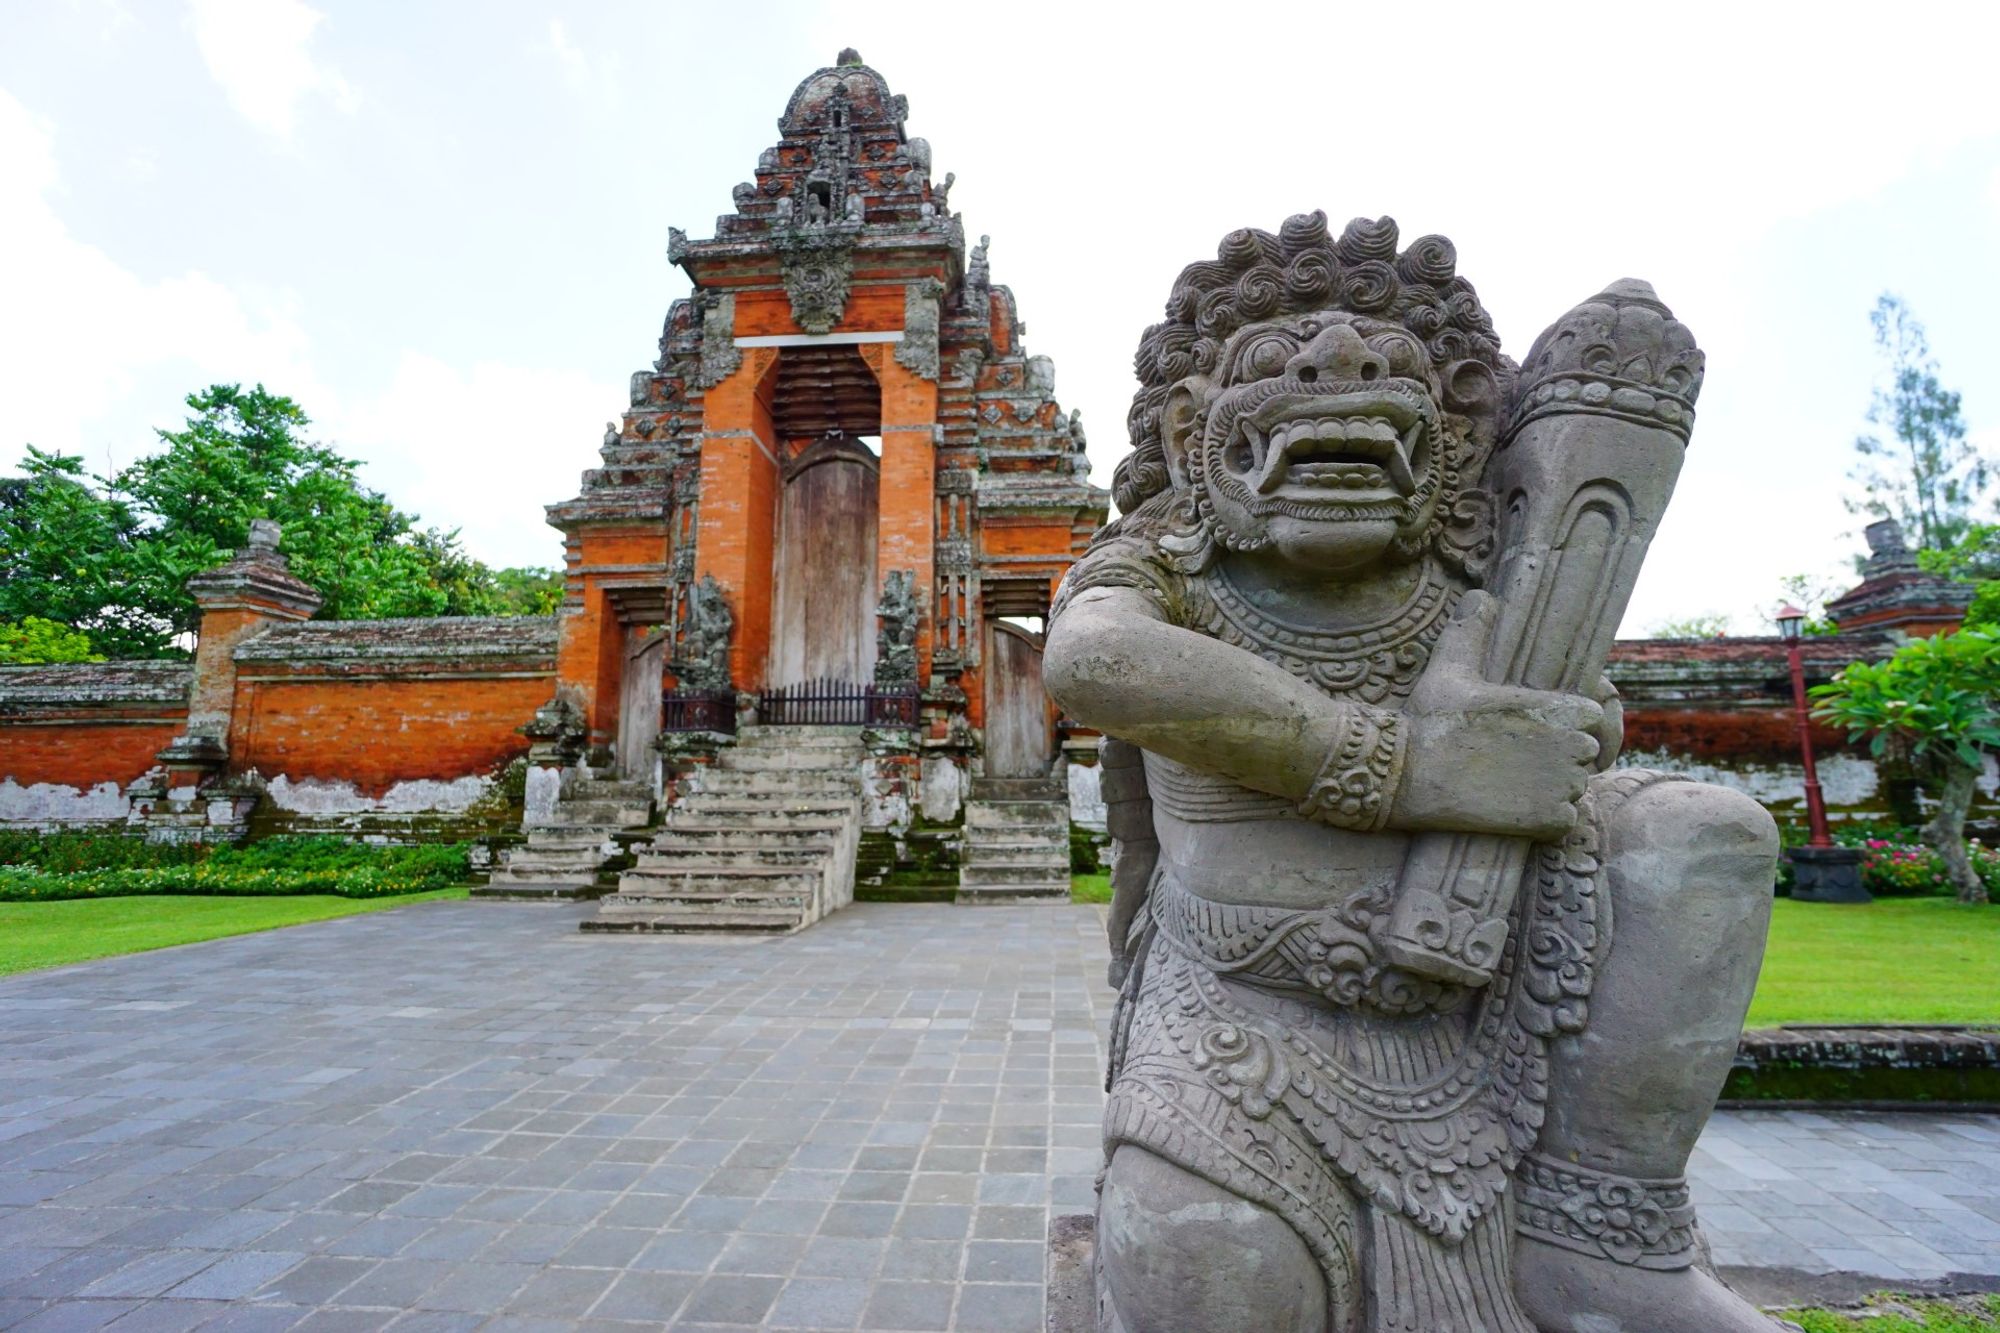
(1712, 625)
(66, 554)
(1926, 473)
(528, 590)
(241, 456)
(112, 556)
(1975, 558)
(32, 641)
(1934, 706)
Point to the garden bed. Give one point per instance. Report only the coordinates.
(61, 867)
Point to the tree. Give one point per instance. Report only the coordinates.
(1927, 474)
(241, 456)
(528, 590)
(32, 641)
(1935, 705)
(1711, 625)
(1975, 558)
(67, 554)
(112, 555)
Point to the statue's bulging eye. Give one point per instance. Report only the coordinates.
(1405, 357)
(1265, 355)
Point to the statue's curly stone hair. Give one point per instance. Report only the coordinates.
(1255, 276)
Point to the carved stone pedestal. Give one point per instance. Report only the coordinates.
(1827, 875)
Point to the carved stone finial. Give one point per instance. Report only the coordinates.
(677, 245)
(849, 56)
(264, 533)
(1622, 354)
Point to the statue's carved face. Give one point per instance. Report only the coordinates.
(1318, 437)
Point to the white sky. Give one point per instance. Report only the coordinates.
(442, 229)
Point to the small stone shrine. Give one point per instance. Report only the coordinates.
(1423, 1005)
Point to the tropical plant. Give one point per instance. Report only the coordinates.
(1935, 706)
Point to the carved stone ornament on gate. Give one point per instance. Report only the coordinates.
(818, 264)
(1363, 705)
(896, 633)
(918, 351)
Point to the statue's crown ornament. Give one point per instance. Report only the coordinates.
(1257, 276)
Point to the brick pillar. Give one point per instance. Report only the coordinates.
(237, 600)
(906, 535)
(736, 532)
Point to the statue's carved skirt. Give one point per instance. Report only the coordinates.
(1267, 1051)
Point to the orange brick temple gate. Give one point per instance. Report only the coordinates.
(845, 398)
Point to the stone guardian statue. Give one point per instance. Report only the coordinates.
(1422, 1004)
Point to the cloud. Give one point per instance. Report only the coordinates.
(479, 449)
(89, 339)
(583, 74)
(257, 50)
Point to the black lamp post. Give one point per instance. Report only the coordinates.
(1821, 872)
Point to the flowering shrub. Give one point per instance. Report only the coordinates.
(60, 867)
(1895, 868)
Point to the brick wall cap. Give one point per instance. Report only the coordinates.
(98, 684)
(454, 638)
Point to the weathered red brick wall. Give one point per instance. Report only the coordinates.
(66, 731)
(81, 752)
(371, 704)
(376, 733)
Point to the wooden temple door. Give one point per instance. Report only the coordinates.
(823, 613)
(1020, 739)
(639, 701)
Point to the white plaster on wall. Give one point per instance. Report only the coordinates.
(883, 804)
(942, 790)
(1086, 799)
(543, 788)
(1843, 779)
(54, 803)
(319, 796)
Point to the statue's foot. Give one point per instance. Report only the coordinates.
(1566, 1292)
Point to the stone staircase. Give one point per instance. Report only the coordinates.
(1016, 842)
(569, 857)
(765, 846)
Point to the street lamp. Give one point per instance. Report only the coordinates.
(1821, 872)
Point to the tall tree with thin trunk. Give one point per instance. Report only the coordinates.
(1925, 473)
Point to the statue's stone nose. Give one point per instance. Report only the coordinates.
(1338, 353)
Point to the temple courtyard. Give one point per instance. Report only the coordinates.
(462, 1115)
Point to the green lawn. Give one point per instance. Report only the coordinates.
(36, 935)
(1896, 960)
(1090, 888)
(1979, 1314)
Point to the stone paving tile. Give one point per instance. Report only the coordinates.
(464, 1116)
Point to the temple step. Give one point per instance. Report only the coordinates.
(1016, 843)
(764, 843)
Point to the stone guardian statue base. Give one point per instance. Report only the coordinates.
(1422, 1004)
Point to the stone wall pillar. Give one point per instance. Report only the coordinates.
(184, 798)
(736, 533)
(906, 535)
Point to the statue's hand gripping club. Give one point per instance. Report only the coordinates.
(1581, 480)
(1488, 758)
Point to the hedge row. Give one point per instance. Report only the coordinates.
(63, 866)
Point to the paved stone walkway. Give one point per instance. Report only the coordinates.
(460, 1116)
